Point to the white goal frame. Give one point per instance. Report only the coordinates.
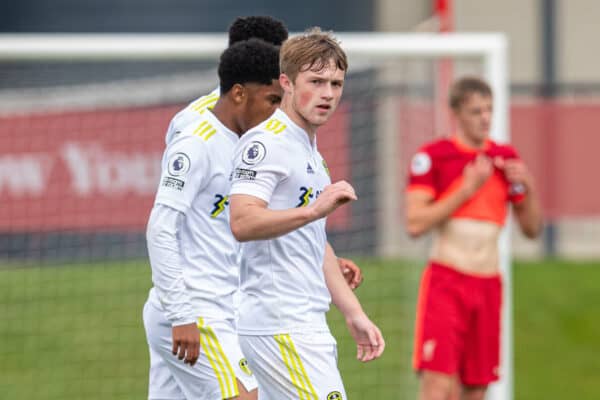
(490, 48)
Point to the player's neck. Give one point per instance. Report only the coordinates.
(470, 142)
(226, 117)
(290, 111)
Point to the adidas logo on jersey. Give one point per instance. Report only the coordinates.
(309, 169)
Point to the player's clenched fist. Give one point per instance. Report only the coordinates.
(515, 171)
(332, 197)
(476, 173)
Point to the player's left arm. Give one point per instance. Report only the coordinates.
(527, 208)
(369, 341)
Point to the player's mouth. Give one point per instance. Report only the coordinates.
(324, 107)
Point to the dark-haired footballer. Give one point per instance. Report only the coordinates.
(266, 28)
(189, 314)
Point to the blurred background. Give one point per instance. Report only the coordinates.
(80, 148)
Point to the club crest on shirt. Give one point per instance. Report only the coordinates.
(335, 395)
(179, 164)
(254, 153)
(244, 366)
(420, 164)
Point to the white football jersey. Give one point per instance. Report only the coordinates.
(191, 113)
(282, 282)
(195, 181)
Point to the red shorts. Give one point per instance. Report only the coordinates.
(457, 331)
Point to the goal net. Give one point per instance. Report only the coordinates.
(82, 124)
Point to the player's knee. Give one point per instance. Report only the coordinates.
(474, 392)
(435, 386)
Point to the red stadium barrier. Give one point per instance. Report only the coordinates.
(98, 170)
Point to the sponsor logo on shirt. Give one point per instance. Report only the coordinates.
(247, 174)
(179, 164)
(306, 194)
(173, 183)
(254, 153)
(219, 205)
(309, 169)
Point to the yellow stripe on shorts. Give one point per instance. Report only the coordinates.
(292, 361)
(218, 361)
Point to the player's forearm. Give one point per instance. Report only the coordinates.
(252, 222)
(166, 264)
(341, 295)
(529, 215)
(421, 218)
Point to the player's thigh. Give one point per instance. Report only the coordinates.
(161, 383)
(295, 366)
(219, 367)
(441, 322)
(246, 394)
(481, 362)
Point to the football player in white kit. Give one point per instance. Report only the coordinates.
(273, 31)
(280, 195)
(262, 27)
(189, 314)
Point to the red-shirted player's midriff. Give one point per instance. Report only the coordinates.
(468, 240)
(468, 245)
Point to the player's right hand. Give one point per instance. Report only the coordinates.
(186, 343)
(476, 173)
(332, 197)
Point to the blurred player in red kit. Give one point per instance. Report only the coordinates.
(460, 188)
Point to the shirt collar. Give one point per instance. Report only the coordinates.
(298, 133)
(468, 149)
(229, 134)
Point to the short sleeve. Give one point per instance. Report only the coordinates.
(185, 169)
(259, 164)
(420, 173)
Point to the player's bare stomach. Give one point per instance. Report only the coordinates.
(468, 245)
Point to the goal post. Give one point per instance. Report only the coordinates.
(375, 50)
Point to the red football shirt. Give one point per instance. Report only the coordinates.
(437, 169)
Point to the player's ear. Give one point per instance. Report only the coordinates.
(285, 82)
(238, 93)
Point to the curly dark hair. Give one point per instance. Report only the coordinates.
(253, 60)
(269, 29)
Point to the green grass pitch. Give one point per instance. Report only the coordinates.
(75, 332)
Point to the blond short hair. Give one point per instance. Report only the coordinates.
(464, 87)
(313, 51)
